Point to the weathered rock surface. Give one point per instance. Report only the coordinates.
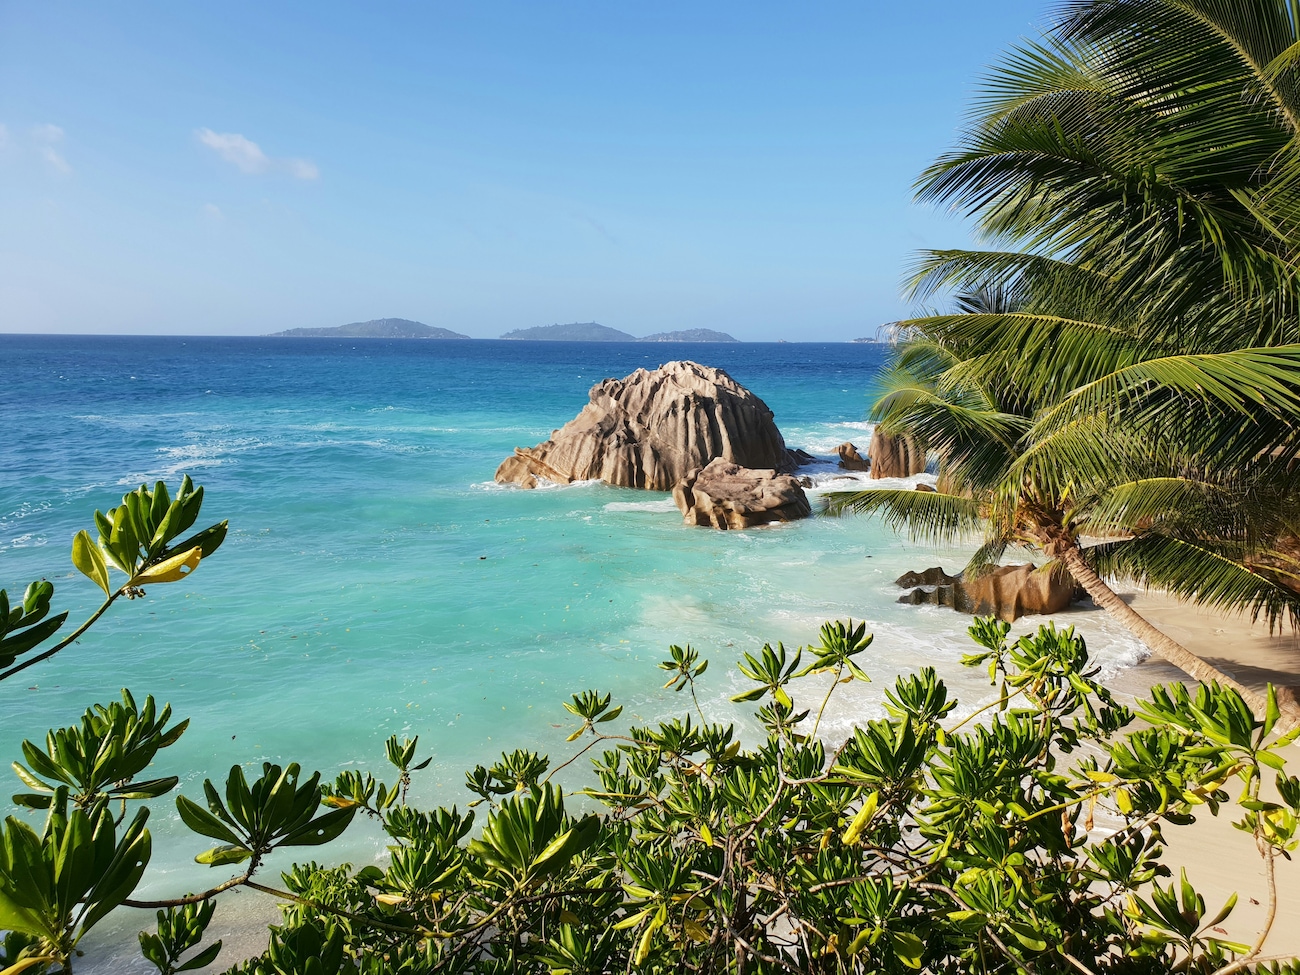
(934, 576)
(1007, 592)
(725, 495)
(652, 428)
(850, 459)
(892, 456)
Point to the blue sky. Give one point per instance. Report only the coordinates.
(240, 168)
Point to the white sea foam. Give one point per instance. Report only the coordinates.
(823, 438)
(824, 482)
(658, 506)
(542, 485)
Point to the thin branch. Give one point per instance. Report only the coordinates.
(63, 643)
(1270, 877)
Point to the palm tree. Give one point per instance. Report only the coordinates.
(1152, 513)
(1124, 369)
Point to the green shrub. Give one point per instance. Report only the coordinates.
(923, 842)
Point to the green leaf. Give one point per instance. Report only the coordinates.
(322, 829)
(203, 822)
(1027, 935)
(12, 645)
(207, 541)
(151, 789)
(908, 947)
(33, 800)
(89, 561)
(222, 855)
(203, 959)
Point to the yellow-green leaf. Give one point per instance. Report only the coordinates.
(860, 821)
(694, 931)
(1124, 801)
(169, 570)
(89, 561)
(27, 963)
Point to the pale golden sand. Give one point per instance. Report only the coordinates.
(1218, 858)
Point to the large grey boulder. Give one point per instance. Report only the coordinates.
(651, 429)
(724, 495)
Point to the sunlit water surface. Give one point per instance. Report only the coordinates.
(375, 580)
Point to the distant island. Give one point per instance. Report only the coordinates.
(379, 328)
(402, 328)
(593, 332)
(573, 332)
(689, 335)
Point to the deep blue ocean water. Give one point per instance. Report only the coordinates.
(375, 580)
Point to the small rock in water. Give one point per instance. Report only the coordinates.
(850, 459)
(725, 495)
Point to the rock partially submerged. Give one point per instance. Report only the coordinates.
(725, 495)
(850, 459)
(893, 456)
(934, 576)
(652, 428)
(1007, 592)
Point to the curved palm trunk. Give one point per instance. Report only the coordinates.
(1160, 644)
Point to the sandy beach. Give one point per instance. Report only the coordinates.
(1219, 859)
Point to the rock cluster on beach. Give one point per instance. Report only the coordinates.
(653, 428)
(724, 495)
(1007, 592)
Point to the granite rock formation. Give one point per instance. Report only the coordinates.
(850, 459)
(1007, 592)
(894, 456)
(725, 495)
(934, 576)
(652, 428)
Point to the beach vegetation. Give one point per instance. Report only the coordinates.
(1023, 833)
(140, 539)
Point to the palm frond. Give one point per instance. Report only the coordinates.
(1199, 574)
(929, 516)
(1247, 382)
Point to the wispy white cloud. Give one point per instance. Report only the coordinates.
(212, 212)
(247, 156)
(47, 137)
(301, 168)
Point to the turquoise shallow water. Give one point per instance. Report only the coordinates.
(376, 582)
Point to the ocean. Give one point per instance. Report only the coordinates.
(376, 581)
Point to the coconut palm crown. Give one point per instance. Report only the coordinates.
(1119, 385)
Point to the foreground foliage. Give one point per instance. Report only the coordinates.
(1025, 837)
(139, 538)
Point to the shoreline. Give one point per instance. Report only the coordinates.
(1219, 859)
